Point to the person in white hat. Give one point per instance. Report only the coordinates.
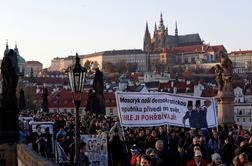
(197, 161)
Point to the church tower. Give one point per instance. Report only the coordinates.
(6, 48)
(16, 48)
(176, 29)
(161, 25)
(147, 39)
(155, 34)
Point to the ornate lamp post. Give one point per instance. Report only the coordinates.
(77, 75)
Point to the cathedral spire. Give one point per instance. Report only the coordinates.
(7, 48)
(16, 48)
(7, 45)
(161, 19)
(147, 28)
(155, 31)
(176, 29)
(161, 23)
(147, 39)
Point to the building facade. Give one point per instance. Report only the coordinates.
(243, 106)
(32, 68)
(242, 61)
(128, 56)
(60, 64)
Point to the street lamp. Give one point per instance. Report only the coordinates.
(77, 74)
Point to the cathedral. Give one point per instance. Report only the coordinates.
(163, 40)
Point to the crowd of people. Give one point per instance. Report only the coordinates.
(146, 146)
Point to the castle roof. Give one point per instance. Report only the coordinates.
(130, 51)
(181, 40)
(33, 63)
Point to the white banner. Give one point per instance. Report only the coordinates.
(137, 109)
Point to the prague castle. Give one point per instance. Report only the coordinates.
(163, 40)
(162, 47)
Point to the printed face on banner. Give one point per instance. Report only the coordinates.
(96, 148)
(153, 109)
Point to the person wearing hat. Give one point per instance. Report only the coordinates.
(197, 161)
(216, 160)
(188, 114)
(135, 152)
(203, 110)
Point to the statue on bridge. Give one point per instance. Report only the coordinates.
(96, 102)
(9, 109)
(9, 70)
(225, 96)
(224, 73)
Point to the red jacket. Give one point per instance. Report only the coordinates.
(192, 163)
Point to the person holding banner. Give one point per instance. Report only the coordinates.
(203, 110)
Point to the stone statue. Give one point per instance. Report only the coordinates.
(224, 73)
(225, 96)
(9, 109)
(45, 100)
(96, 101)
(22, 104)
(98, 82)
(9, 70)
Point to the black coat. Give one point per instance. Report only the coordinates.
(198, 119)
(228, 153)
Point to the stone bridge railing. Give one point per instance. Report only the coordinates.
(21, 155)
(25, 157)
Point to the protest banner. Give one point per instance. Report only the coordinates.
(154, 109)
(43, 126)
(96, 148)
(25, 121)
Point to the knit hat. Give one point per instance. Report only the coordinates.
(197, 153)
(215, 156)
(134, 148)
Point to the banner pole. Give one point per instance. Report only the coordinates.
(124, 139)
(216, 117)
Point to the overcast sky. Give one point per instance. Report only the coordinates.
(45, 29)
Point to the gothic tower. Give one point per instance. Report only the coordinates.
(176, 29)
(147, 39)
(162, 34)
(6, 48)
(155, 34)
